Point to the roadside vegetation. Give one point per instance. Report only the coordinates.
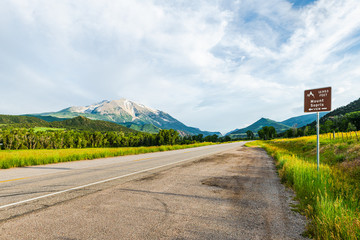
(26, 141)
(22, 158)
(330, 198)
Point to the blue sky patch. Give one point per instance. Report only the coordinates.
(301, 3)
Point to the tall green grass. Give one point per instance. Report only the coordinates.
(329, 198)
(42, 129)
(22, 158)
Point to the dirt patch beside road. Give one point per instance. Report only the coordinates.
(233, 195)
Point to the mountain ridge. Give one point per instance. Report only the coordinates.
(297, 121)
(302, 120)
(256, 126)
(124, 112)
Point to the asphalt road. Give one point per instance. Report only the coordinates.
(215, 192)
(24, 185)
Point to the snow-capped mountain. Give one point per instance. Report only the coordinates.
(117, 108)
(124, 111)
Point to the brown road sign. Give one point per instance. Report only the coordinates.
(317, 100)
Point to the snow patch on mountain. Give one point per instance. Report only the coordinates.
(116, 107)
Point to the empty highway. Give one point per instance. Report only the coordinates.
(24, 185)
(222, 191)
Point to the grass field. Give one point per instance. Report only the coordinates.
(330, 198)
(21, 158)
(43, 129)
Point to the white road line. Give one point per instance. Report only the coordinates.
(95, 183)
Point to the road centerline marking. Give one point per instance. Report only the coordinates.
(142, 159)
(15, 179)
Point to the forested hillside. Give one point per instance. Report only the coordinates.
(78, 123)
(344, 118)
(351, 107)
(83, 123)
(13, 119)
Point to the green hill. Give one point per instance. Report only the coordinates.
(14, 119)
(78, 123)
(83, 123)
(255, 127)
(351, 107)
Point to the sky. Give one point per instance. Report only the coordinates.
(213, 64)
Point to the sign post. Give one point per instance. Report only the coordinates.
(317, 100)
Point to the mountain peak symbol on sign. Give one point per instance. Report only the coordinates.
(311, 94)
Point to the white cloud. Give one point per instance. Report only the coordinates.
(217, 65)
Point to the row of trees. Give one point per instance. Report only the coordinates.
(29, 139)
(24, 138)
(343, 123)
(267, 133)
(201, 138)
(298, 132)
